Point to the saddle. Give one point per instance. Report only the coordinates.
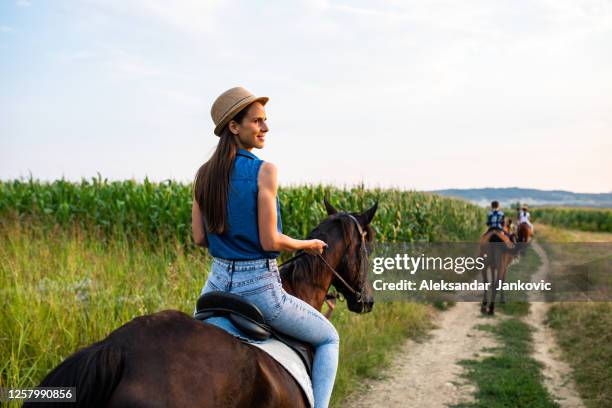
(500, 237)
(495, 235)
(247, 317)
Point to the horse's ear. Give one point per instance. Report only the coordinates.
(328, 207)
(368, 215)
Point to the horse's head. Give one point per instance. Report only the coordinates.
(352, 237)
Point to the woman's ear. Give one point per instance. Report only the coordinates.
(233, 127)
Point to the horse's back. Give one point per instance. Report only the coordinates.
(174, 360)
(524, 232)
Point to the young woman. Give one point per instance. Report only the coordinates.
(236, 214)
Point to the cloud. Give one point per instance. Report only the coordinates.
(121, 64)
(6, 29)
(23, 3)
(191, 16)
(133, 68)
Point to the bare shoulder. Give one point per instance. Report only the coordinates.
(268, 169)
(267, 175)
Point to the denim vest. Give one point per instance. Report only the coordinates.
(241, 240)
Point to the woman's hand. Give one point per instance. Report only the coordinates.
(315, 246)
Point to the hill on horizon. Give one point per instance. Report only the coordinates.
(510, 195)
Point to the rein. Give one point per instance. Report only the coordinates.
(362, 246)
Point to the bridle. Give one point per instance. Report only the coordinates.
(363, 257)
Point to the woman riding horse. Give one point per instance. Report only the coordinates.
(173, 360)
(236, 214)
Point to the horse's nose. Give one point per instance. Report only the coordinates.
(368, 304)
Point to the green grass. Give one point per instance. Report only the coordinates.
(514, 308)
(510, 377)
(584, 331)
(62, 290)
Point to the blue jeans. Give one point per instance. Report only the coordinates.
(262, 285)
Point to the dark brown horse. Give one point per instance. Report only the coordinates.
(499, 251)
(169, 359)
(524, 232)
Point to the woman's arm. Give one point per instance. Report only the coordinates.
(197, 227)
(270, 238)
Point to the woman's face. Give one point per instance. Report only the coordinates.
(252, 131)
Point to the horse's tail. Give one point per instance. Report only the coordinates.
(95, 371)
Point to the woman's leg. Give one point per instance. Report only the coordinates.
(300, 320)
(289, 315)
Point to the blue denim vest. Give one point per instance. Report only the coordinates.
(241, 241)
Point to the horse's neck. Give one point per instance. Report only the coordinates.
(313, 291)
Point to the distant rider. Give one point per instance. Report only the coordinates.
(523, 217)
(495, 219)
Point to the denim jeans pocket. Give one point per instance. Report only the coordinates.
(218, 279)
(264, 294)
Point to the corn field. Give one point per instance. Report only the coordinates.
(585, 219)
(161, 212)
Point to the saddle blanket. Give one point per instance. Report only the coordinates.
(278, 350)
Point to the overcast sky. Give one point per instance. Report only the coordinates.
(412, 94)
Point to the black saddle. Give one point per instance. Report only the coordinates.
(247, 318)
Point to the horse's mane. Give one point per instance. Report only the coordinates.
(303, 268)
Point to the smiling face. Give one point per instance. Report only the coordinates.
(251, 131)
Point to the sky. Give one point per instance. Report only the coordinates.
(403, 94)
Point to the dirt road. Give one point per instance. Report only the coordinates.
(428, 374)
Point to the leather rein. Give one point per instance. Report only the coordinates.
(362, 247)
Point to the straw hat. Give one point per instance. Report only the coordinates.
(229, 103)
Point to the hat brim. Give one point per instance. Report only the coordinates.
(237, 108)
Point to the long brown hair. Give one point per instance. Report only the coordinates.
(211, 182)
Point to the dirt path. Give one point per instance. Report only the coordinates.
(557, 374)
(428, 374)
